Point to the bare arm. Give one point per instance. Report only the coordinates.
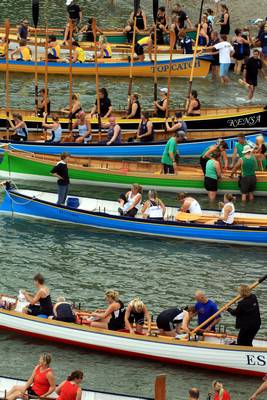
(79, 394)
(186, 321)
(173, 128)
(126, 319)
(234, 156)
(237, 167)
(58, 389)
(133, 112)
(261, 389)
(218, 169)
(137, 199)
(109, 112)
(115, 135)
(106, 313)
(225, 159)
(52, 382)
(33, 299)
(212, 324)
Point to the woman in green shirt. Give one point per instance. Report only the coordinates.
(170, 155)
(248, 166)
(212, 174)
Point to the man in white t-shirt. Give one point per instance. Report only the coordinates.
(225, 51)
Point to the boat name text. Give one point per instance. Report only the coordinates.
(256, 360)
(246, 121)
(176, 66)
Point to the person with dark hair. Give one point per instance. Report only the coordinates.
(189, 204)
(61, 172)
(160, 31)
(23, 51)
(224, 20)
(53, 49)
(214, 39)
(40, 302)
(161, 105)
(170, 322)
(239, 55)
(182, 17)
(178, 125)
(78, 53)
(193, 394)
(145, 131)
(74, 11)
(70, 389)
(87, 30)
(238, 148)
(162, 14)
(194, 105)
(141, 20)
(105, 105)
(134, 107)
(247, 313)
(144, 42)
(170, 155)
(222, 146)
(248, 180)
(23, 30)
(129, 30)
(213, 173)
(44, 103)
(20, 127)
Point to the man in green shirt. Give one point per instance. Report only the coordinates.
(170, 155)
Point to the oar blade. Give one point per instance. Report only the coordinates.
(35, 12)
(155, 10)
(136, 6)
(263, 278)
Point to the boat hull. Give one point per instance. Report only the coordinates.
(234, 359)
(181, 68)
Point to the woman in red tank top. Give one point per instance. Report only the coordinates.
(41, 383)
(219, 392)
(70, 389)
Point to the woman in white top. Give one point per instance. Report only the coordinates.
(130, 203)
(54, 127)
(84, 128)
(228, 210)
(189, 204)
(153, 208)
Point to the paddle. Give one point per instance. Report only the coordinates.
(35, 18)
(7, 30)
(194, 57)
(46, 74)
(71, 78)
(97, 80)
(155, 14)
(160, 387)
(136, 6)
(227, 305)
(172, 43)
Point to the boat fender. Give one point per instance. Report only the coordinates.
(73, 202)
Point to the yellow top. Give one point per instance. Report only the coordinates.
(81, 54)
(107, 51)
(55, 51)
(25, 53)
(2, 49)
(144, 41)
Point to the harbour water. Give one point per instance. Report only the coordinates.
(82, 264)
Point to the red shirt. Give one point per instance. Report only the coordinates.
(225, 396)
(68, 391)
(41, 384)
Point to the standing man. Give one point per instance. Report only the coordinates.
(250, 75)
(61, 172)
(205, 309)
(74, 11)
(225, 51)
(170, 155)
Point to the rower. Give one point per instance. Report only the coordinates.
(139, 48)
(162, 14)
(213, 173)
(113, 317)
(44, 103)
(76, 107)
(105, 105)
(55, 127)
(70, 389)
(173, 321)
(23, 30)
(84, 128)
(178, 125)
(153, 209)
(134, 107)
(105, 50)
(145, 131)
(161, 105)
(113, 133)
(189, 204)
(194, 105)
(141, 20)
(239, 147)
(130, 203)
(136, 313)
(206, 308)
(186, 42)
(23, 51)
(41, 297)
(170, 157)
(129, 30)
(87, 30)
(247, 313)
(228, 210)
(160, 31)
(20, 127)
(63, 311)
(53, 49)
(3, 47)
(221, 146)
(78, 53)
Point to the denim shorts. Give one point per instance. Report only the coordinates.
(224, 69)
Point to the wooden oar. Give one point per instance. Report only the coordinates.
(7, 30)
(46, 75)
(97, 80)
(227, 305)
(172, 43)
(71, 77)
(155, 15)
(160, 387)
(35, 18)
(130, 86)
(194, 57)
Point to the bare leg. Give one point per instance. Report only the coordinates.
(244, 197)
(212, 196)
(251, 196)
(139, 328)
(15, 392)
(101, 325)
(251, 91)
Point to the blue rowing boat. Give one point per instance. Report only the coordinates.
(251, 229)
(154, 149)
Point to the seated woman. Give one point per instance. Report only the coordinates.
(129, 29)
(105, 50)
(54, 127)
(174, 321)
(78, 53)
(70, 389)
(134, 107)
(23, 51)
(228, 210)
(113, 317)
(63, 311)
(76, 107)
(154, 208)
(259, 152)
(43, 102)
(113, 133)
(189, 204)
(105, 105)
(194, 105)
(41, 383)
(84, 128)
(130, 203)
(87, 30)
(19, 127)
(145, 131)
(40, 303)
(137, 313)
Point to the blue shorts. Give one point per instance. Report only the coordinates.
(224, 69)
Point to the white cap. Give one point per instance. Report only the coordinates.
(68, 2)
(163, 90)
(247, 149)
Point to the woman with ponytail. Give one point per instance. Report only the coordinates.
(219, 392)
(70, 389)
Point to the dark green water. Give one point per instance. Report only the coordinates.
(82, 264)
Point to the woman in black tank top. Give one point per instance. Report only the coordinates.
(194, 104)
(162, 103)
(42, 296)
(225, 20)
(134, 108)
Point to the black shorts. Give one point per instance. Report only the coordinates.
(52, 57)
(165, 324)
(252, 81)
(247, 184)
(116, 325)
(31, 392)
(18, 138)
(138, 318)
(139, 50)
(211, 185)
(168, 169)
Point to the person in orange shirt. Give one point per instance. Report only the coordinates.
(70, 389)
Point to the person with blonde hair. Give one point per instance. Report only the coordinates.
(247, 313)
(259, 152)
(137, 313)
(228, 210)
(154, 208)
(220, 392)
(113, 317)
(130, 203)
(105, 50)
(40, 384)
(76, 107)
